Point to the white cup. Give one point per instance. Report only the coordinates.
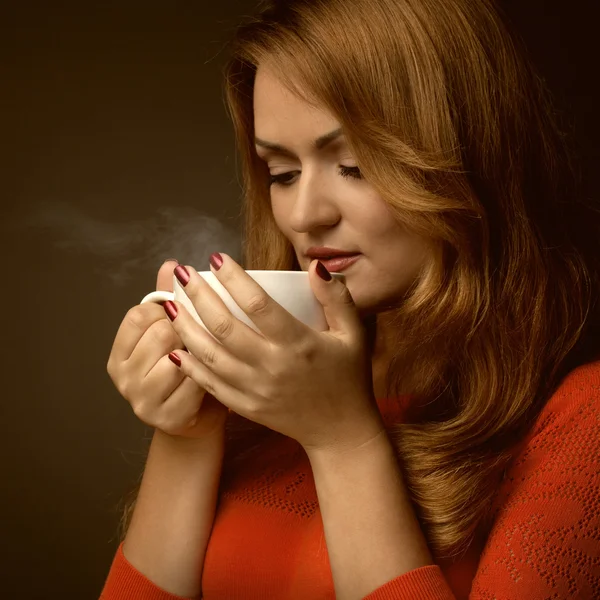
(290, 289)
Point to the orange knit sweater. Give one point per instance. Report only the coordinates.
(268, 543)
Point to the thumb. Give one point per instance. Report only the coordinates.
(340, 311)
(164, 279)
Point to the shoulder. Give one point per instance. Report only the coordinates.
(576, 401)
(564, 439)
(543, 536)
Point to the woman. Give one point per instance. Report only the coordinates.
(441, 439)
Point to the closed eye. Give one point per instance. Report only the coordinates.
(284, 178)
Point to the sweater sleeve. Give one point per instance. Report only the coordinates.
(125, 582)
(545, 540)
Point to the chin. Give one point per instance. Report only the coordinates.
(374, 305)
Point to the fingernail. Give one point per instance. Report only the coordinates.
(170, 260)
(216, 260)
(174, 358)
(322, 272)
(170, 309)
(182, 275)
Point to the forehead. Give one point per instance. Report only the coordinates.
(277, 110)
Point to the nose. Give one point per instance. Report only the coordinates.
(314, 206)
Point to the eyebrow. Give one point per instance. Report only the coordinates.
(317, 144)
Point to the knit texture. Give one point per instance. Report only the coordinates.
(268, 542)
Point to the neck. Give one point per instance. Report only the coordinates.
(381, 354)
(379, 366)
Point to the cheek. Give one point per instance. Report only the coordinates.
(400, 256)
(280, 216)
(282, 220)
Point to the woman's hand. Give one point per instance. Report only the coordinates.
(314, 387)
(159, 393)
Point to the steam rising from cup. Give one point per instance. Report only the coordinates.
(132, 246)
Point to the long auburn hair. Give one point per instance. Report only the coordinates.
(450, 122)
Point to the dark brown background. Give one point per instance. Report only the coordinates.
(113, 136)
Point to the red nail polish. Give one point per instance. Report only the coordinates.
(182, 275)
(174, 358)
(322, 272)
(216, 260)
(170, 309)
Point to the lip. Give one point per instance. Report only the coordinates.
(327, 252)
(339, 263)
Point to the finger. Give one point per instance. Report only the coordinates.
(134, 325)
(341, 313)
(209, 352)
(239, 339)
(228, 395)
(181, 406)
(155, 388)
(273, 321)
(158, 340)
(164, 279)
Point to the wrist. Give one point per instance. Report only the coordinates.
(371, 439)
(188, 445)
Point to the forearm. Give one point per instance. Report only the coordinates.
(371, 531)
(174, 513)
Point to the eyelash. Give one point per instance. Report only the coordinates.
(353, 172)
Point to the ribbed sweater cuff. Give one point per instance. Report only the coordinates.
(125, 582)
(424, 583)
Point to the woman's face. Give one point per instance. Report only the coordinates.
(316, 202)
